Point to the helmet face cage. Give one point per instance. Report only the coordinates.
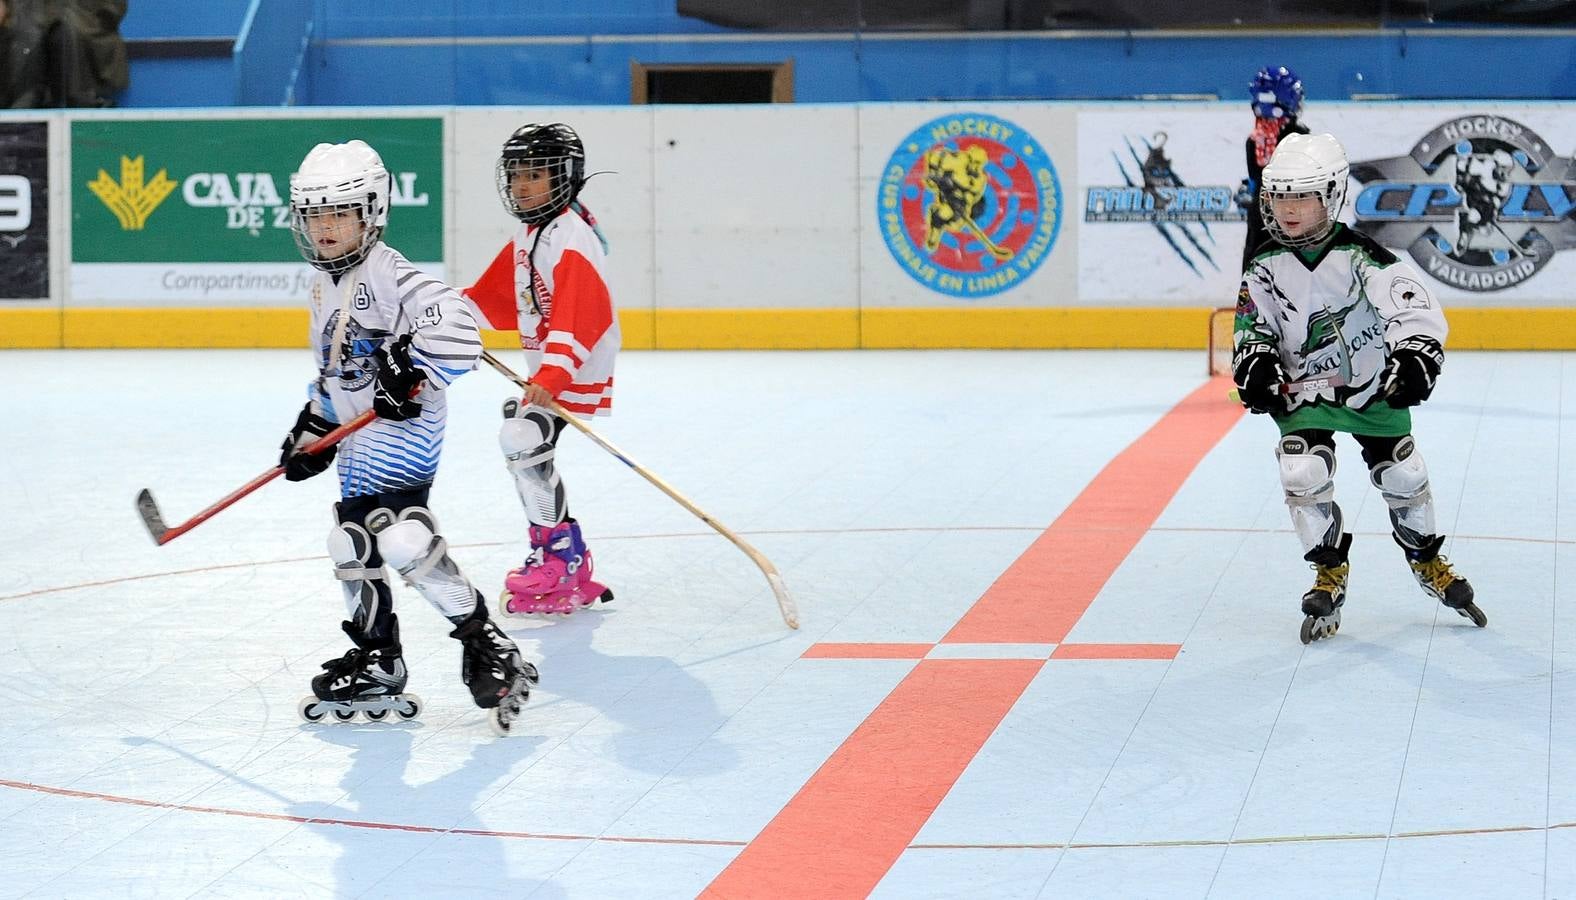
(352, 239)
(1276, 93)
(333, 180)
(553, 150)
(1331, 194)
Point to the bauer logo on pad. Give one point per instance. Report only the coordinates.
(969, 205)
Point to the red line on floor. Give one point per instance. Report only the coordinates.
(841, 833)
(1116, 651)
(1041, 595)
(848, 825)
(353, 823)
(867, 651)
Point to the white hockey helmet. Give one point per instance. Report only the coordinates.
(337, 178)
(1304, 165)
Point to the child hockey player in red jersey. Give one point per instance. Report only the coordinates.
(1321, 301)
(381, 330)
(547, 282)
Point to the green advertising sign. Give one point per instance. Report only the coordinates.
(218, 190)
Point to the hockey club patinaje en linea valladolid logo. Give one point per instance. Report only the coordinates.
(969, 205)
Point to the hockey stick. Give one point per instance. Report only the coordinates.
(1002, 253)
(163, 534)
(1321, 383)
(785, 603)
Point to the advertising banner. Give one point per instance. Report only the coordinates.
(1480, 200)
(1159, 185)
(24, 210)
(197, 212)
(968, 204)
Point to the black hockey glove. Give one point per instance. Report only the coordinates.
(397, 380)
(1409, 376)
(308, 428)
(1259, 375)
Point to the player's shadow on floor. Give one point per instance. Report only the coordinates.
(668, 717)
(427, 857)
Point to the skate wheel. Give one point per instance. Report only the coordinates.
(411, 709)
(1472, 612)
(344, 715)
(375, 715)
(309, 710)
(1307, 630)
(503, 606)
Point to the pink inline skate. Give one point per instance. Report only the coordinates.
(556, 578)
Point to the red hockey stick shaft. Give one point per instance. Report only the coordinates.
(163, 535)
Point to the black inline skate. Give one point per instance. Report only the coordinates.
(1322, 604)
(1435, 574)
(491, 666)
(369, 679)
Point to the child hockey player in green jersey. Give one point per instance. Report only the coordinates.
(1334, 333)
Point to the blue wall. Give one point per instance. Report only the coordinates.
(183, 18)
(463, 52)
(1046, 65)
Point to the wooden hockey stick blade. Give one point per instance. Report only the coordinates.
(785, 601)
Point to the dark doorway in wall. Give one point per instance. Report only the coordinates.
(685, 83)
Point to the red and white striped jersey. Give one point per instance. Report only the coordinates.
(547, 283)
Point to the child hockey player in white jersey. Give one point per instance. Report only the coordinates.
(547, 282)
(390, 338)
(1321, 301)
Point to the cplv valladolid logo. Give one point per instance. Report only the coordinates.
(1481, 202)
(1154, 192)
(969, 205)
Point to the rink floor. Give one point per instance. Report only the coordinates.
(1049, 645)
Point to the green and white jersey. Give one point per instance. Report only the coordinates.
(1336, 308)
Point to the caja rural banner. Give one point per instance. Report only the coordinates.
(1479, 199)
(197, 212)
(24, 210)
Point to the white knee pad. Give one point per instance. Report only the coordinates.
(527, 444)
(350, 546)
(1403, 482)
(1307, 475)
(411, 544)
(1404, 476)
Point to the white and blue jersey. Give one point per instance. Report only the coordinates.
(383, 298)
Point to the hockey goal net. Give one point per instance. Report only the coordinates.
(1221, 323)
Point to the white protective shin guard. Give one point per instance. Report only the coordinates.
(528, 443)
(1403, 482)
(1307, 475)
(350, 546)
(411, 544)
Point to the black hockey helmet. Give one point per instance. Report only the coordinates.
(555, 148)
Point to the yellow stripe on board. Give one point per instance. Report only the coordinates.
(1527, 328)
(29, 329)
